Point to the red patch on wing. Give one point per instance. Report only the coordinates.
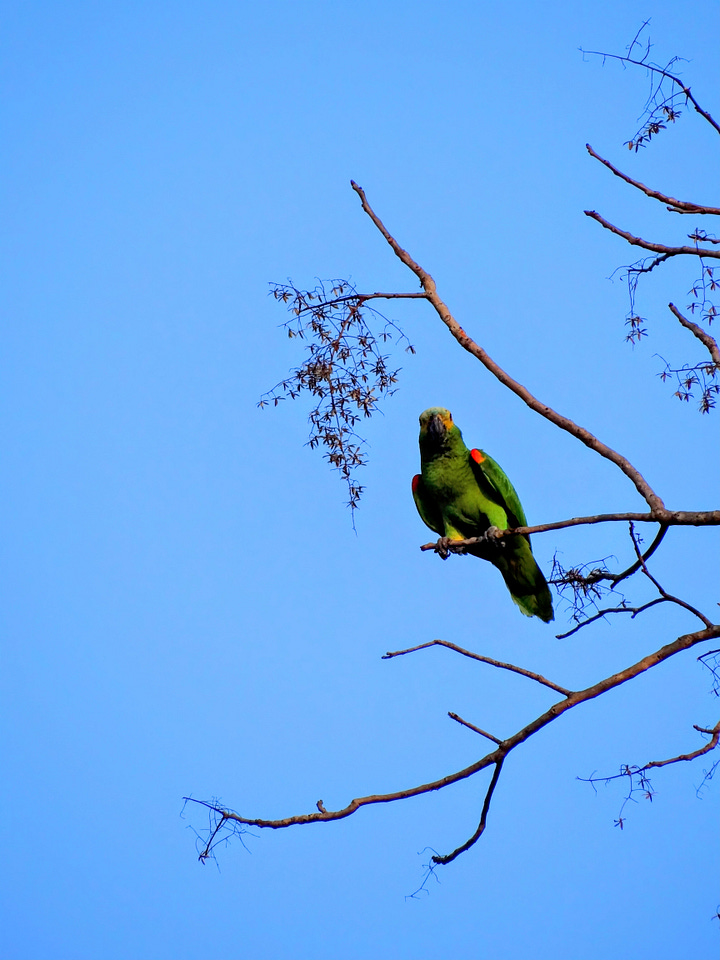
(477, 456)
(415, 482)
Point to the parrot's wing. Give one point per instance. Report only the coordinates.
(485, 467)
(426, 507)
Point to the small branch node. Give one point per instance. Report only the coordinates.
(471, 726)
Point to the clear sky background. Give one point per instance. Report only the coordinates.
(187, 609)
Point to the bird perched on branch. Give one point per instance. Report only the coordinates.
(463, 493)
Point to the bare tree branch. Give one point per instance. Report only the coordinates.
(481, 826)
(713, 666)
(589, 581)
(702, 237)
(359, 299)
(698, 332)
(663, 593)
(616, 578)
(663, 72)
(495, 757)
(660, 248)
(603, 613)
(471, 726)
(677, 206)
(476, 656)
(467, 343)
(695, 518)
(633, 771)
(710, 745)
(639, 775)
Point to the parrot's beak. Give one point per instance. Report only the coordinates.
(437, 429)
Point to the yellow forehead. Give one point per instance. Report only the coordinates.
(427, 415)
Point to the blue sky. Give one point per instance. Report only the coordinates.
(187, 609)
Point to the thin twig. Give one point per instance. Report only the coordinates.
(584, 586)
(663, 593)
(714, 668)
(471, 726)
(602, 613)
(664, 73)
(628, 770)
(634, 567)
(476, 656)
(361, 298)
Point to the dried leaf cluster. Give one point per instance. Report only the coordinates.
(345, 370)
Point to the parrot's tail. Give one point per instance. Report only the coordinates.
(525, 581)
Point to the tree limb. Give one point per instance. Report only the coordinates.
(602, 613)
(663, 593)
(695, 518)
(698, 332)
(495, 757)
(634, 567)
(676, 206)
(710, 745)
(476, 656)
(481, 826)
(467, 343)
(628, 770)
(661, 248)
(663, 73)
(360, 298)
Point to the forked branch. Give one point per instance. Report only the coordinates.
(660, 589)
(495, 758)
(606, 611)
(638, 776)
(660, 248)
(663, 73)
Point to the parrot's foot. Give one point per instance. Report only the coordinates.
(441, 547)
(490, 538)
(447, 545)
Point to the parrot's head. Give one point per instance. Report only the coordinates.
(435, 425)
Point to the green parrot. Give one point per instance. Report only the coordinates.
(463, 493)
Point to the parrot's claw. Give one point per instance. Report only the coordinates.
(447, 545)
(490, 537)
(441, 547)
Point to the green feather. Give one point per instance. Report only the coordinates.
(461, 493)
